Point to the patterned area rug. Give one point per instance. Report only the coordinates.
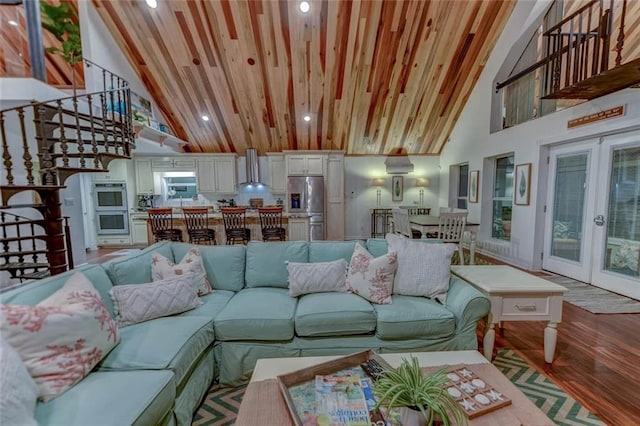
(221, 404)
(594, 299)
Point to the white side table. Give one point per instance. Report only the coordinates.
(516, 296)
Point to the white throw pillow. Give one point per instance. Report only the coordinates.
(317, 277)
(372, 278)
(18, 391)
(424, 269)
(162, 268)
(142, 302)
(63, 337)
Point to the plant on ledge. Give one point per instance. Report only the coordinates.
(418, 395)
(63, 23)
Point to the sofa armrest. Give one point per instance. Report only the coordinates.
(467, 304)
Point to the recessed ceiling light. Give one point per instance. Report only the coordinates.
(205, 117)
(307, 118)
(13, 23)
(304, 6)
(152, 3)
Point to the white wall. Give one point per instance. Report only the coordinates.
(472, 142)
(360, 196)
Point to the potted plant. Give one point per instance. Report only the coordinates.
(63, 23)
(421, 398)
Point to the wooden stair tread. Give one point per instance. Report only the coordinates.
(22, 265)
(37, 275)
(22, 253)
(23, 238)
(13, 222)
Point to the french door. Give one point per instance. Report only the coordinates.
(592, 229)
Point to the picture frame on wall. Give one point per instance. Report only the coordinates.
(522, 190)
(474, 180)
(397, 188)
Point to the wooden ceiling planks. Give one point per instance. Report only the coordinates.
(375, 76)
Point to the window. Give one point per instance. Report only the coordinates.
(463, 186)
(502, 198)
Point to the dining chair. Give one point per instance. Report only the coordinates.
(401, 222)
(161, 220)
(235, 228)
(197, 221)
(451, 230)
(271, 223)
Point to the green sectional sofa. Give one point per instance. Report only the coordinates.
(161, 369)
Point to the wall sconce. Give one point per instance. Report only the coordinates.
(379, 183)
(422, 183)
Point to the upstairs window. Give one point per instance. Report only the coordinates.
(463, 186)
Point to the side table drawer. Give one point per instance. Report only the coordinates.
(525, 306)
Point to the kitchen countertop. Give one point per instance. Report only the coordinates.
(177, 213)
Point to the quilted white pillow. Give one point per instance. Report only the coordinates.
(424, 269)
(63, 337)
(18, 391)
(372, 278)
(142, 302)
(317, 277)
(162, 268)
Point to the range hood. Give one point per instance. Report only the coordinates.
(398, 164)
(253, 167)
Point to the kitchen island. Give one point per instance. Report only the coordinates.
(296, 225)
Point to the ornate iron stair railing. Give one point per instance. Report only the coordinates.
(58, 138)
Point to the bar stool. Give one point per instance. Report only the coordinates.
(234, 219)
(197, 222)
(161, 220)
(271, 223)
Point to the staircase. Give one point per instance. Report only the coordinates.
(43, 144)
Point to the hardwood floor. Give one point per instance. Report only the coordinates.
(597, 357)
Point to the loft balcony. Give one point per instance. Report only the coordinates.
(588, 54)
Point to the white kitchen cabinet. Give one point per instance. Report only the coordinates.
(139, 231)
(144, 176)
(277, 174)
(217, 174)
(298, 229)
(335, 197)
(306, 165)
(114, 240)
(117, 171)
(173, 163)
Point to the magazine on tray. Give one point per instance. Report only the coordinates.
(340, 401)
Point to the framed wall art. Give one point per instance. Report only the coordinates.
(474, 180)
(522, 188)
(397, 188)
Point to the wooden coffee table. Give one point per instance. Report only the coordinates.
(263, 403)
(516, 296)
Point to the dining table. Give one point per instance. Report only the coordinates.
(429, 224)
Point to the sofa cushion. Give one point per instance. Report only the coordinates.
(141, 397)
(334, 314)
(328, 251)
(411, 317)
(377, 246)
(211, 306)
(257, 314)
(142, 302)
(265, 264)
(224, 264)
(61, 338)
(305, 278)
(136, 269)
(171, 343)
(191, 263)
(36, 291)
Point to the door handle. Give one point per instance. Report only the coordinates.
(599, 220)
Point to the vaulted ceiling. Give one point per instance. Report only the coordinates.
(375, 76)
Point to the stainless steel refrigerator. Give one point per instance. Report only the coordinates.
(306, 195)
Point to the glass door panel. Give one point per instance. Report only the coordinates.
(569, 205)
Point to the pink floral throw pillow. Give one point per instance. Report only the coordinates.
(162, 268)
(61, 338)
(372, 278)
